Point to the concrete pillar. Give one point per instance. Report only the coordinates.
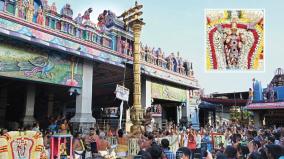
(30, 105)
(83, 118)
(50, 104)
(257, 120)
(3, 105)
(192, 110)
(185, 110)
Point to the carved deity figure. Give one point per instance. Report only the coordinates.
(67, 11)
(21, 10)
(159, 55)
(45, 5)
(53, 8)
(87, 14)
(180, 65)
(154, 56)
(170, 63)
(30, 12)
(79, 19)
(40, 18)
(102, 20)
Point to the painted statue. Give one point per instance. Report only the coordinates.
(67, 11)
(21, 10)
(30, 12)
(45, 5)
(109, 18)
(186, 66)
(79, 19)
(87, 14)
(170, 63)
(40, 18)
(102, 21)
(180, 65)
(53, 8)
(160, 56)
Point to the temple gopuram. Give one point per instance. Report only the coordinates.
(54, 63)
(267, 104)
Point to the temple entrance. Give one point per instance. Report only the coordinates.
(165, 111)
(274, 117)
(105, 106)
(50, 101)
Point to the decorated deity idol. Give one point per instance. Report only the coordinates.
(234, 39)
(40, 18)
(233, 42)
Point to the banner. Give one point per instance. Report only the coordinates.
(161, 91)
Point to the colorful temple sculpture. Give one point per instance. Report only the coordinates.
(267, 104)
(234, 40)
(57, 62)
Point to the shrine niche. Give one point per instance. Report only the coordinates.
(234, 40)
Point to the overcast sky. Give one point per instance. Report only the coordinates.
(179, 26)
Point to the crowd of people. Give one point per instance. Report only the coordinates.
(236, 142)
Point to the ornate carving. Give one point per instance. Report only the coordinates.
(102, 21)
(67, 12)
(53, 8)
(40, 18)
(30, 12)
(105, 19)
(79, 19)
(21, 9)
(87, 14)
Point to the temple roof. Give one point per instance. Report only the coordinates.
(278, 79)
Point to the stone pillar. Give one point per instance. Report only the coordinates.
(83, 119)
(50, 104)
(3, 105)
(30, 105)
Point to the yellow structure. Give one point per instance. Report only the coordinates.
(132, 20)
